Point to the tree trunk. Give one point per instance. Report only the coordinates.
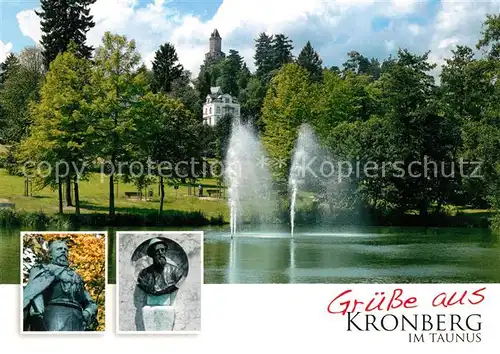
(111, 195)
(423, 209)
(69, 202)
(60, 197)
(77, 197)
(111, 249)
(424, 204)
(162, 194)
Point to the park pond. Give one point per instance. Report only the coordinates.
(326, 255)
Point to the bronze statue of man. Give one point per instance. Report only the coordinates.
(55, 298)
(163, 276)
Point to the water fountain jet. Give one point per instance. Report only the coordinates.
(306, 149)
(248, 178)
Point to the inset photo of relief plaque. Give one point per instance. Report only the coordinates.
(159, 277)
(63, 280)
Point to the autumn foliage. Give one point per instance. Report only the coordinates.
(87, 256)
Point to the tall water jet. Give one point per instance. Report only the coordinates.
(232, 216)
(293, 188)
(248, 178)
(305, 153)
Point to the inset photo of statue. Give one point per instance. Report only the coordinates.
(159, 277)
(63, 282)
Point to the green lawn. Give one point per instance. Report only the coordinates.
(94, 197)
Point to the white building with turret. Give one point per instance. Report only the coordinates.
(219, 104)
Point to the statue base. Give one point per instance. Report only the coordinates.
(161, 300)
(158, 318)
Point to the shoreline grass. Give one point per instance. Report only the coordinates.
(10, 218)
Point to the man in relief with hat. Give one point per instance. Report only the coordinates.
(163, 276)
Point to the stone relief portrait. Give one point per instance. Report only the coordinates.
(64, 279)
(164, 275)
(159, 279)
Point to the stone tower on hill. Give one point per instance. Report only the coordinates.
(215, 52)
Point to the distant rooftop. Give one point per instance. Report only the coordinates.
(215, 90)
(215, 33)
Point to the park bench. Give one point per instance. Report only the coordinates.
(212, 191)
(5, 203)
(137, 195)
(132, 194)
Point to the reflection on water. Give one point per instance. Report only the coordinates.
(340, 255)
(370, 255)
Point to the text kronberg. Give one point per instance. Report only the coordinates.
(364, 315)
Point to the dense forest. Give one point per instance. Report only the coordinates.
(67, 101)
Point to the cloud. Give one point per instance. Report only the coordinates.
(29, 24)
(333, 27)
(458, 23)
(5, 49)
(401, 7)
(414, 29)
(390, 45)
(148, 26)
(447, 43)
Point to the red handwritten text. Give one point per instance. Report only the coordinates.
(445, 300)
(379, 302)
(346, 302)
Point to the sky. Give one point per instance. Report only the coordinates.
(374, 28)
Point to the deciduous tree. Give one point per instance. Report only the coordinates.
(63, 131)
(118, 86)
(288, 104)
(19, 90)
(169, 138)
